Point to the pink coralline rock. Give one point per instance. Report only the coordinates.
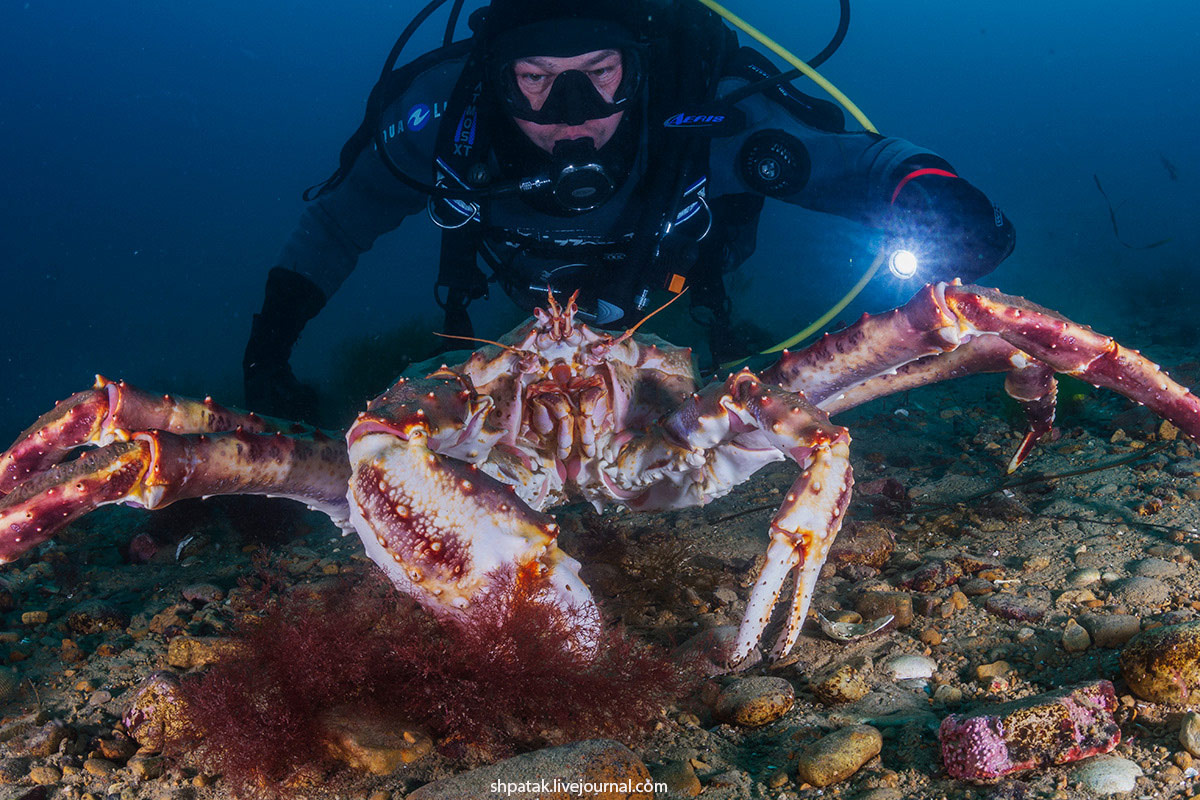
(1053, 728)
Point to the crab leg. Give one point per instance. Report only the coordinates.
(739, 418)
(107, 413)
(156, 468)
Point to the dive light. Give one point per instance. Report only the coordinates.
(903, 263)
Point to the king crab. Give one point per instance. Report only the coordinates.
(446, 478)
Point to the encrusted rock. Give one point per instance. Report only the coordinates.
(752, 702)
(376, 746)
(868, 544)
(679, 777)
(572, 768)
(838, 755)
(185, 652)
(95, 616)
(157, 712)
(1189, 733)
(874, 604)
(934, 575)
(1054, 728)
(146, 767)
(43, 740)
(44, 775)
(202, 593)
(845, 683)
(1022, 609)
(1162, 665)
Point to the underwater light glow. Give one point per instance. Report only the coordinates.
(903, 264)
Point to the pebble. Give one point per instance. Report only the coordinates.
(146, 767)
(1140, 591)
(1111, 630)
(99, 766)
(680, 778)
(1083, 577)
(876, 604)
(934, 575)
(838, 755)
(910, 667)
(846, 683)
(375, 746)
(594, 762)
(1189, 733)
(1105, 775)
(977, 587)
(1074, 638)
(1156, 568)
(34, 617)
(996, 669)
(869, 544)
(45, 775)
(1053, 728)
(1023, 609)
(751, 702)
(1162, 665)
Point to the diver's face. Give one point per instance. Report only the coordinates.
(535, 76)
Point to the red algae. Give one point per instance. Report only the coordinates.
(506, 681)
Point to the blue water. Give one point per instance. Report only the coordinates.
(154, 154)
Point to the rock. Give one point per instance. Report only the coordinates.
(882, 793)
(679, 777)
(706, 651)
(44, 740)
(99, 766)
(44, 775)
(1162, 665)
(1023, 609)
(35, 618)
(157, 712)
(909, 667)
(845, 683)
(1053, 728)
(1105, 775)
(1189, 733)
(95, 616)
(977, 587)
(117, 747)
(838, 755)
(934, 575)
(1156, 568)
(1074, 638)
(1139, 591)
(185, 652)
(529, 776)
(379, 747)
(200, 594)
(1081, 578)
(867, 544)
(752, 702)
(10, 684)
(876, 604)
(1111, 630)
(146, 767)
(996, 669)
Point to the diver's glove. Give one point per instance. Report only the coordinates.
(271, 387)
(952, 227)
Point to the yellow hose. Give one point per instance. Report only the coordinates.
(787, 56)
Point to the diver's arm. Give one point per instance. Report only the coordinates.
(887, 183)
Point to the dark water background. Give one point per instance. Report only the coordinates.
(153, 155)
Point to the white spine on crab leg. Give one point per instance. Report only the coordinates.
(801, 534)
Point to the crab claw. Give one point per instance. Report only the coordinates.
(445, 532)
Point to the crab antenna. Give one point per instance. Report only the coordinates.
(554, 309)
(640, 322)
(476, 339)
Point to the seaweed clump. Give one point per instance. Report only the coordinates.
(501, 683)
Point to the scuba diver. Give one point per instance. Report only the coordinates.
(615, 148)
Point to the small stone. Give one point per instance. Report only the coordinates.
(868, 544)
(846, 683)
(977, 587)
(1083, 577)
(376, 746)
(947, 694)
(1189, 733)
(1036, 563)
(200, 594)
(1074, 638)
(1162, 665)
(146, 767)
(575, 767)
(1156, 568)
(838, 755)
(96, 616)
(1022, 609)
(934, 575)
(35, 618)
(99, 766)
(958, 601)
(996, 669)
(930, 636)
(1111, 630)
(680, 778)
(44, 775)
(117, 747)
(1105, 775)
(752, 702)
(1053, 728)
(185, 652)
(875, 604)
(1183, 759)
(44, 740)
(910, 667)
(1167, 432)
(1139, 591)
